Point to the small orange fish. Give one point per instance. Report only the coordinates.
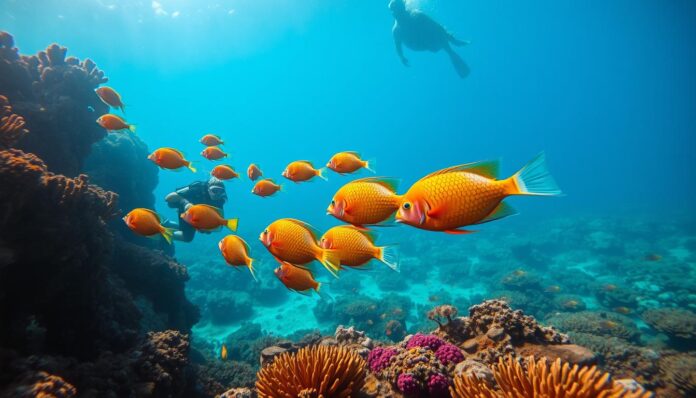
(114, 123)
(367, 201)
(254, 172)
(266, 187)
(223, 352)
(571, 304)
(302, 170)
(455, 197)
(623, 310)
(349, 162)
(207, 218)
(213, 153)
(653, 257)
(356, 247)
(608, 325)
(298, 279)
(236, 252)
(224, 172)
(147, 223)
(295, 242)
(553, 289)
(170, 159)
(211, 140)
(609, 287)
(110, 97)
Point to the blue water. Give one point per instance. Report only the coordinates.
(606, 89)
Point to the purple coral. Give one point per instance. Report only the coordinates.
(425, 341)
(379, 358)
(449, 353)
(408, 384)
(438, 386)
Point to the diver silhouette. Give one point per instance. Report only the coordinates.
(419, 32)
(211, 192)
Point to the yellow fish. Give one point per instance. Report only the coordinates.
(223, 352)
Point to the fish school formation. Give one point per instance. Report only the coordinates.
(446, 200)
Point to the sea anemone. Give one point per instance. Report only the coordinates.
(315, 371)
(541, 380)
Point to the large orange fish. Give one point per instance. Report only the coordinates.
(298, 279)
(236, 252)
(349, 162)
(266, 187)
(110, 97)
(208, 218)
(254, 172)
(224, 172)
(295, 241)
(170, 159)
(367, 201)
(302, 170)
(356, 247)
(211, 140)
(213, 153)
(114, 123)
(450, 199)
(147, 223)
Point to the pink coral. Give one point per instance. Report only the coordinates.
(449, 353)
(438, 386)
(408, 384)
(425, 341)
(379, 358)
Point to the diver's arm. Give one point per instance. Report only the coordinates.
(176, 201)
(398, 45)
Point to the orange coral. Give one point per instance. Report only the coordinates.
(317, 371)
(11, 125)
(541, 380)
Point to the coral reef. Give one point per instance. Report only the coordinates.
(541, 380)
(313, 372)
(678, 324)
(41, 384)
(11, 124)
(598, 323)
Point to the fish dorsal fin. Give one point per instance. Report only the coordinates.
(246, 245)
(303, 224)
(307, 162)
(177, 151)
(501, 211)
(370, 235)
(390, 183)
(154, 214)
(485, 168)
(354, 153)
(217, 209)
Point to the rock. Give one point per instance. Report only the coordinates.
(328, 341)
(269, 353)
(496, 333)
(368, 343)
(629, 385)
(572, 353)
(470, 346)
(470, 368)
(237, 393)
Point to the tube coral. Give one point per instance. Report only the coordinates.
(317, 371)
(542, 380)
(11, 125)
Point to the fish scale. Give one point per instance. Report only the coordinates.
(355, 248)
(298, 244)
(369, 202)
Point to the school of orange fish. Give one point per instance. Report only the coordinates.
(446, 200)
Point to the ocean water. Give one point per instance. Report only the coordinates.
(605, 89)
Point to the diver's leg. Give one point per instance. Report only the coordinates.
(460, 66)
(186, 232)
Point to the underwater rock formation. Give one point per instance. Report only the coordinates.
(11, 124)
(41, 384)
(598, 323)
(678, 324)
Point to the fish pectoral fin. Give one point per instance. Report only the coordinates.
(435, 212)
(458, 231)
(277, 245)
(501, 211)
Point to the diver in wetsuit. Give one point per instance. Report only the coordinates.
(211, 192)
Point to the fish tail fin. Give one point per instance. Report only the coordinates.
(131, 128)
(330, 260)
(167, 234)
(232, 224)
(322, 292)
(250, 265)
(320, 173)
(389, 255)
(371, 165)
(190, 167)
(123, 108)
(534, 179)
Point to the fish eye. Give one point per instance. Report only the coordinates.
(407, 206)
(265, 232)
(333, 203)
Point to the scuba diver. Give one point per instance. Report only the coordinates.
(419, 32)
(211, 192)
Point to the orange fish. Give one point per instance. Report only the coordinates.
(653, 257)
(609, 287)
(114, 123)
(623, 310)
(295, 242)
(450, 199)
(266, 187)
(349, 162)
(254, 172)
(236, 252)
(170, 159)
(553, 289)
(147, 223)
(356, 247)
(302, 170)
(207, 218)
(211, 140)
(223, 352)
(367, 201)
(213, 153)
(224, 172)
(110, 97)
(298, 279)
